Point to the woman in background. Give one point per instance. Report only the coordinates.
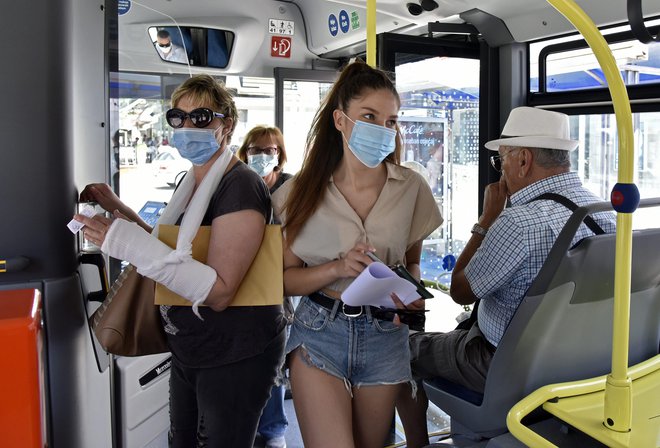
(263, 151)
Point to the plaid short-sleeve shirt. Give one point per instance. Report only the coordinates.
(518, 243)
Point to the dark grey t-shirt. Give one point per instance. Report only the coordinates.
(237, 332)
(280, 180)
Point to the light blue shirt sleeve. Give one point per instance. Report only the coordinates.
(501, 255)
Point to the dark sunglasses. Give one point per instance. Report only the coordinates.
(269, 150)
(200, 118)
(165, 45)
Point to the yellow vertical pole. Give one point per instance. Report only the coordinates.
(618, 389)
(371, 32)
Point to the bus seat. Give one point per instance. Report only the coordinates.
(562, 330)
(218, 53)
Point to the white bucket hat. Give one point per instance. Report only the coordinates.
(535, 128)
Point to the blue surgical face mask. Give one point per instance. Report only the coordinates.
(371, 143)
(262, 164)
(196, 145)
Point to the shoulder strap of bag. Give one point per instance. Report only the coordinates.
(572, 206)
(563, 200)
(471, 320)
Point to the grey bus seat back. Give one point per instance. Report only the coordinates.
(562, 330)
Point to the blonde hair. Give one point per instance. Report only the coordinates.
(204, 89)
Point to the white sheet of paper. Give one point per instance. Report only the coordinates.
(75, 226)
(375, 284)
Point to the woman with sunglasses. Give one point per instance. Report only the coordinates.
(351, 197)
(225, 358)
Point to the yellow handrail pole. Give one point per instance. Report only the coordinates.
(371, 32)
(618, 390)
(541, 395)
(558, 391)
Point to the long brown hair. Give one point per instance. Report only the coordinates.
(324, 146)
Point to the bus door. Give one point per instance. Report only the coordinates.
(440, 87)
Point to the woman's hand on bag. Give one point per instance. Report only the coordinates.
(354, 261)
(103, 195)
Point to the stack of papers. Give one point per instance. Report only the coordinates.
(375, 284)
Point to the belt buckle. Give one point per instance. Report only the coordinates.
(343, 310)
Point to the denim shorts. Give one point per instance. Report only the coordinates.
(362, 351)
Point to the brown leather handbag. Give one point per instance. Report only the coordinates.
(128, 323)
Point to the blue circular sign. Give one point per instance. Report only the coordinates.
(333, 26)
(123, 6)
(448, 262)
(344, 21)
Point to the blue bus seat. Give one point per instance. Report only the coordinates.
(562, 330)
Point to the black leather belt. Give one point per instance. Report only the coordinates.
(414, 320)
(347, 310)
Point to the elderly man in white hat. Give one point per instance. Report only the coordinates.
(505, 252)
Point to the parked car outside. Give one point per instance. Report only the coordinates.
(169, 167)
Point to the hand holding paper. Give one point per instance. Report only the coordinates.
(374, 286)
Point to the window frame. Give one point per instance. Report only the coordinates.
(643, 97)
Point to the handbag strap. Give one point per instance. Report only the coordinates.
(563, 200)
(572, 206)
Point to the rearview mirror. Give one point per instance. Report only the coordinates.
(201, 47)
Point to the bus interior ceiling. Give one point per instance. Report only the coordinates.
(313, 39)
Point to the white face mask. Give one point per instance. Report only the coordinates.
(262, 164)
(197, 145)
(167, 49)
(370, 143)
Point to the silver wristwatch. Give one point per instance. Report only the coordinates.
(479, 230)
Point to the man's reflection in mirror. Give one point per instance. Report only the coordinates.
(169, 51)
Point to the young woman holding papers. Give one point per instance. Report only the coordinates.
(350, 197)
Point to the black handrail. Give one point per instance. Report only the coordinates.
(636, 19)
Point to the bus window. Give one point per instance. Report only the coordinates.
(301, 101)
(143, 134)
(571, 65)
(596, 159)
(142, 100)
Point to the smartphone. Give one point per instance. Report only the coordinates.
(402, 272)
